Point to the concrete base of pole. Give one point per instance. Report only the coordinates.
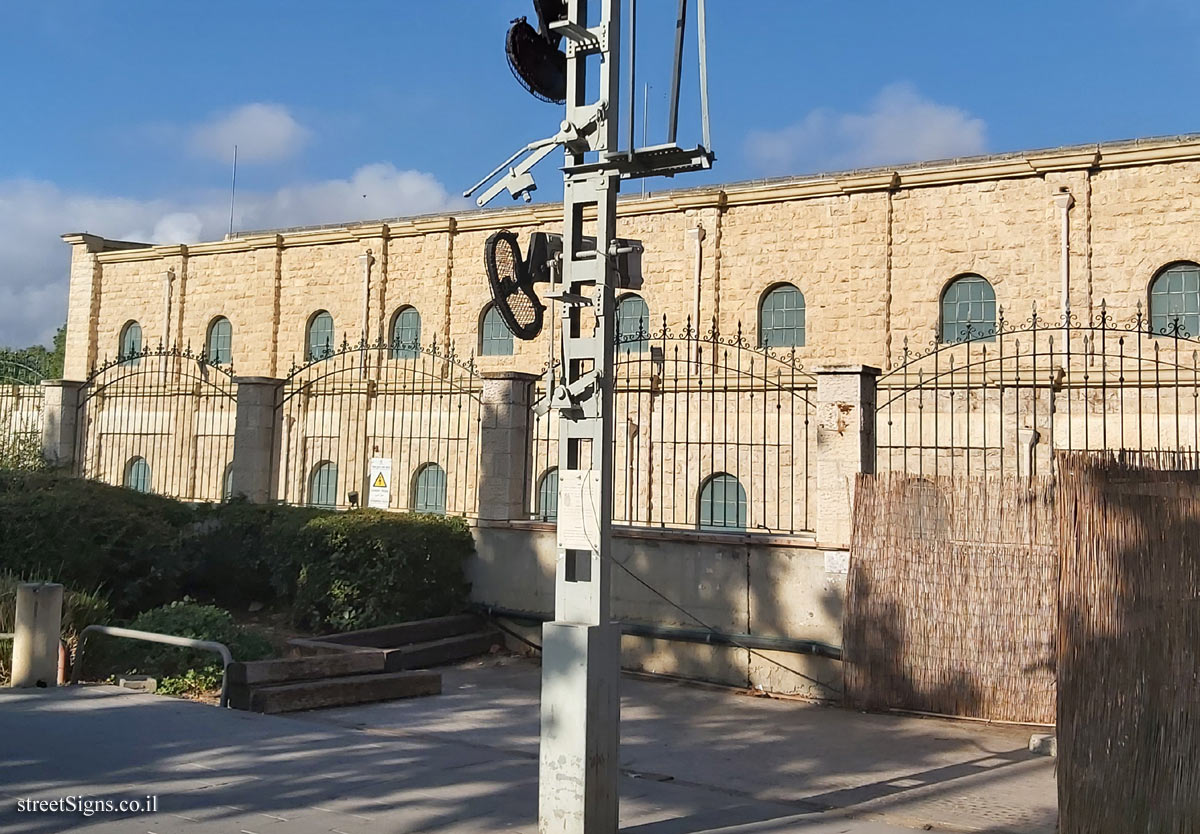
(581, 714)
(36, 636)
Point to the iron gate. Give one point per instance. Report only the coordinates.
(160, 420)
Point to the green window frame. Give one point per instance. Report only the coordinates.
(547, 495)
(220, 341)
(781, 317)
(138, 475)
(130, 344)
(429, 490)
(318, 340)
(322, 485)
(722, 503)
(406, 333)
(968, 310)
(633, 324)
(495, 339)
(1175, 301)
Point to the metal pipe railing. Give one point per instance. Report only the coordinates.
(154, 637)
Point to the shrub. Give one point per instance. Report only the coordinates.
(21, 452)
(88, 535)
(336, 571)
(368, 568)
(241, 553)
(184, 619)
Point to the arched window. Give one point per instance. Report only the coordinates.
(406, 333)
(495, 339)
(429, 490)
(131, 342)
(322, 485)
(781, 317)
(722, 503)
(968, 310)
(137, 475)
(319, 339)
(1175, 301)
(547, 496)
(220, 341)
(633, 324)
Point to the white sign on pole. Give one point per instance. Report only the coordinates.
(379, 493)
(578, 502)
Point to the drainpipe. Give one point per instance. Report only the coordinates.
(1064, 201)
(168, 279)
(366, 260)
(697, 235)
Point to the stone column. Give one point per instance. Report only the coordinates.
(60, 410)
(254, 437)
(504, 444)
(845, 445)
(36, 637)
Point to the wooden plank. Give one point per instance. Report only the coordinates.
(329, 665)
(417, 631)
(440, 652)
(335, 692)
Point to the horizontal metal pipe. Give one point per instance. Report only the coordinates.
(154, 637)
(691, 635)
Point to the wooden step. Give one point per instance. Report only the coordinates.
(285, 670)
(440, 652)
(344, 691)
(400, 634)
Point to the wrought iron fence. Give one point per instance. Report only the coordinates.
(1003, 399)
(710, 433)
(416, 407)
(159, 420)
(21, 403)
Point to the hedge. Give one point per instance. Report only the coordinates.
(333, 571)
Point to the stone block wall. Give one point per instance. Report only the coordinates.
(871, 251)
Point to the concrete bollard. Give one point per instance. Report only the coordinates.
(36, 638)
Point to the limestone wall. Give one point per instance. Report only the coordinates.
(870, 251)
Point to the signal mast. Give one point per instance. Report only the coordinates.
(580, 705)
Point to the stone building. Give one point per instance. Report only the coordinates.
(953, 317)
(876, 256)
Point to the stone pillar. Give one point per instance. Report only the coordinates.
(254, 437)
(845, 445)
(60, 410)
(36, 637)
(504, 454)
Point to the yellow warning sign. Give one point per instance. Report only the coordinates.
(379, 476)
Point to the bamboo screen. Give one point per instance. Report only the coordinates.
(1129, 644)
(952, 596)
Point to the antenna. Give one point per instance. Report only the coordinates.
(233, 191)
(579, 759)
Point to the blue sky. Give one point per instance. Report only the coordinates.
(119, 117)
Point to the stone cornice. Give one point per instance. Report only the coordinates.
(1032, 164)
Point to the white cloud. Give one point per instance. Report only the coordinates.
(900, 125)
(262, 132)
(33, 215)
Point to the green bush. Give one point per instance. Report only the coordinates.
(239, 553)
(183, 619)
(88, 535)
(333, 571)
(21, 452)
(368, 568)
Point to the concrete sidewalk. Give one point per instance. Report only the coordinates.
(695, 760)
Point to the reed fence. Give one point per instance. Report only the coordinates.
(1129, 643)
(951, 597)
